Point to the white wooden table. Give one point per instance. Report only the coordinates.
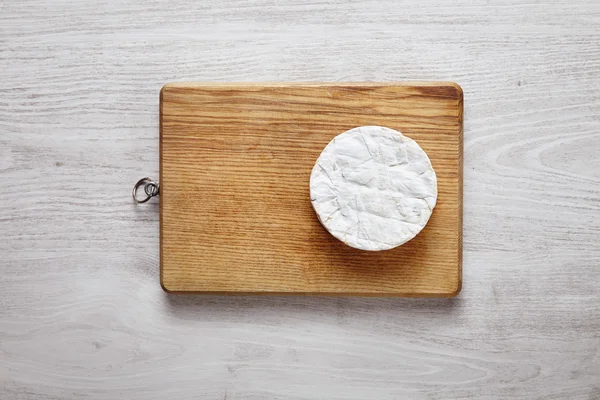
(82, 314)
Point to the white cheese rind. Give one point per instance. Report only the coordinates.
(373, 188)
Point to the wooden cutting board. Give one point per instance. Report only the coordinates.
(235, 162)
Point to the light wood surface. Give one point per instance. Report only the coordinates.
(234, 171)
(82, 315)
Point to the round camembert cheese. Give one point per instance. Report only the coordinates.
(373, 188)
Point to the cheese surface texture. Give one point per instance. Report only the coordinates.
(373, 188)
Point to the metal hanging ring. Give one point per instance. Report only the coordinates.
(151, 189)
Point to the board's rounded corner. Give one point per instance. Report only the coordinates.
(163, 90)
(456, 291)
(165, 286)
(458, 88)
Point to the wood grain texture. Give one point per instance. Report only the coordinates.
(235, 163)
(81, 313)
